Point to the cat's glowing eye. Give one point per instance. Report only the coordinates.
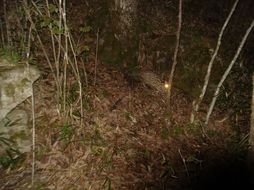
(166, 85)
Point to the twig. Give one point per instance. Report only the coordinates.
(28, 49)
(33, 136)
(65, 55)
(59, 38)
(29, 18)
(226, 73)
(115, 104)
(184, 162)
(56, 57)
(22, 35)
(176, 52)
(51, 33)
(84, 71)
(77, 75)
(210, 65)
(96, 56)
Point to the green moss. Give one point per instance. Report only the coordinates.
(10, 90)
(23, 84)
(9, 56)
(25, 81)
(20, 135)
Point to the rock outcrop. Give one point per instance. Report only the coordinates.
(15, 87)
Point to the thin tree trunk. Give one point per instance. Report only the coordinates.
(33, 137)
(175, 52)
(210, 65)
(66, 55)
(96, 57)
(251, 136)
(226, 73)
(8, 36)
(125, 18)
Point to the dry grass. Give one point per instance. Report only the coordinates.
(130, 147)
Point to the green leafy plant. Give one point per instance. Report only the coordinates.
(195, 129)
(10, 56)
(146, 153)
(8, 159)
(96, 137)
(51, 24)
(10, 154)
(177, 131)
(107, 158)
(193, 159)
(66, 132)
(83, 49)
(53, 8)
(164, 133)
(107, 183)
(97, 150)
(39, 186)
(85, 29)
(168, 169)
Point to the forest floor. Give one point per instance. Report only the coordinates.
(126, 142)
(128, 139)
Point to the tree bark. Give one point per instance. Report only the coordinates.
(251, 135)
(124, 17)
(178, 33)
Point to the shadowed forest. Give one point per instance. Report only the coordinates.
(126, 94)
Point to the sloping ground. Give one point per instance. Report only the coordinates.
(125, 141)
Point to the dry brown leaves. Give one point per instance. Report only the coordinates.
(120, 148)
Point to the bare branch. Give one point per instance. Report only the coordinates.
(176, 52)
(251, 135)
(96, 56)
(210, 65)
(33, 137)
(226, 73)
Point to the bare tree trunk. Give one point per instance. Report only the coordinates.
(226, 73)
(125, 18)
(251, 136)
(210, 65)
(175, 53)
(124, 34)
